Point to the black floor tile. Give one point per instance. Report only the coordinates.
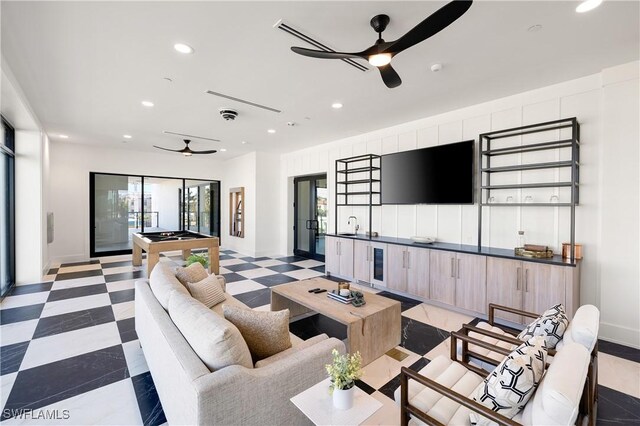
(314, 325)
(43, 385)
(88, 262)
(125, 276)
(127, 329)
(23, 313)
(233, 277)
(122, 296)
(227, 251)
(419, 364)
(30, 288)
(318, 268)
(52, 271)
(254, 259)
(241, 267)
(615, 349)
(390, 387)
(70, 293)
(11, 356)
(617, 408)
(116, 264)
(407, 303)
(148, 401)
(287, 267)
(365, 387)
(420, 338)
(73, 321)
(79, 274)
(255, 298)
(291, 259)
(225, 257)
(277, 279)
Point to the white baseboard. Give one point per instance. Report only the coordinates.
(620, 334)
(71, 258)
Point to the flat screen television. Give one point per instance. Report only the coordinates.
(440, 174)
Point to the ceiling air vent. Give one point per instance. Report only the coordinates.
(292, 31)
(211, 92)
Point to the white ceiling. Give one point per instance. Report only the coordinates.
(85, 66)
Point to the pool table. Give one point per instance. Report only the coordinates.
(156, 242)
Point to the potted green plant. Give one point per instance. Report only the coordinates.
(343, 372)
(198, 258)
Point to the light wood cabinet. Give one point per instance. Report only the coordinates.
(339, 256)
(442, 278)
(418, 271)
(396, 267)
(361, 261)
(531, 286)
(471, 284)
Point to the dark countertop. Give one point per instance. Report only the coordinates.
(460, 248)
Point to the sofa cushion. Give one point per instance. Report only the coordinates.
(191, 274)
(163, 282)
(551, 325)
(266, 333)
(508, 388)
(208, 291)
(292, 350)
(216, 341)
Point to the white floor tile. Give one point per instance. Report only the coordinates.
(385, 368)
(77, 282)
(303, 274)
(120, 285)
(122, 269)
(114, 404)
(238, 255)
(48, 278)
(228, 262)
(111, 259)
(66, 345)
(6, 383)
(309, 263)
(79, 268)
(256, 273)
(270, 262)
(224, 270)
(123, 310)
(17, 332)
(75, 304)
(619, 374)
(441, 318)
(136, 362)
(243, 286)
(24, 300)
(443, 348)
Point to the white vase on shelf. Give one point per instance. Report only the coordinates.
(343, 398)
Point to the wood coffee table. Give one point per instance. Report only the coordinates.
(372, 329)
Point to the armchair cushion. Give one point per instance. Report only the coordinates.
(551, 325)
(508, 388)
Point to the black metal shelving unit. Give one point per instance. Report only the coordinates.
(486, 170)
(360, 170)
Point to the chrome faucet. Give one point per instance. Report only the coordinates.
(356, 222)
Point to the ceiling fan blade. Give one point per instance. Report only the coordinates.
(390, 76)
(213, 151)
(167, 149)
(432, 25)
(324, 55)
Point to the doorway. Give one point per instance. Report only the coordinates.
(310, 216)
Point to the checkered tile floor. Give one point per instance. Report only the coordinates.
(68, 344)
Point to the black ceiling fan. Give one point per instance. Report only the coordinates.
(381, 52)
(186, 151)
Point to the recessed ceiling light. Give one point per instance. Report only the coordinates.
(244, 142)
(436, 67)
(588, 5)
(63, 136)
(271, 131)
(336, 105)
(534, 28)
(148, 104)
(183, 48)
(127, 136)
(223, 149)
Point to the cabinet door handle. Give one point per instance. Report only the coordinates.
(458, 268)
(518, 279)
(404, 259)
(526, 280)
(339, 247)
(369, 254)
(452, 274)
(408, 259)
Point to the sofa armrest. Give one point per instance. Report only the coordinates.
(231, 395)
(223, 282)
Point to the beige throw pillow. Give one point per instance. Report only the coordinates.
(191, 274)
(266, 333)
(208, 291)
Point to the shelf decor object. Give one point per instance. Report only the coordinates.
(236, 212)
(561, 138)
(358, 183)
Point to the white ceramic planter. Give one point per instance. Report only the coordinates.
(343, 398)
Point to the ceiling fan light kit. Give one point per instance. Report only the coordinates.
(381, 53)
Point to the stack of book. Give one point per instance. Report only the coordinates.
(333, 294)
(534, 250)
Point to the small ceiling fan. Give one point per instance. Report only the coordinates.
(186, 151)
(380, 54)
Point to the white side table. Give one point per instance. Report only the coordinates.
(317, 405)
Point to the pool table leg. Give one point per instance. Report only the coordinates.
(186, 253)
(152, 260)
(137, 255)
(214, 260)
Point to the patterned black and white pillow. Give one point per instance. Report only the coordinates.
(551, 325)
(508, 388)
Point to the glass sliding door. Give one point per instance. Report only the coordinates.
(7, 209)
(161, 211)
(202, 201)
(310, 216)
